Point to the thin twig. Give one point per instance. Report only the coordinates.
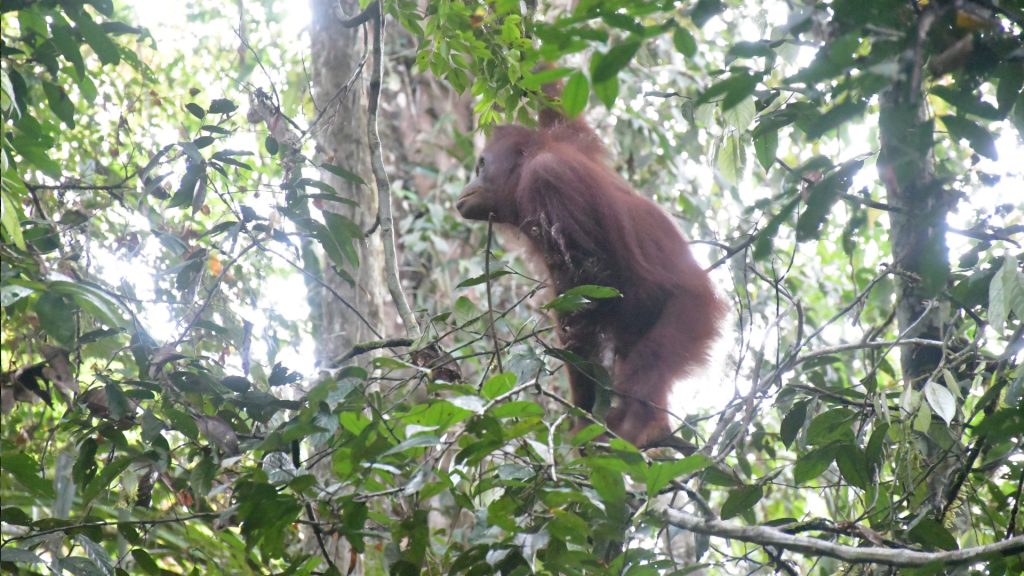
(364, 347)
(491, 328)
(103, 523)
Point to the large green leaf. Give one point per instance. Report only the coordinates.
(606, 66)
(575, 95)
(980, 138)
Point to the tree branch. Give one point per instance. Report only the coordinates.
(768, 536)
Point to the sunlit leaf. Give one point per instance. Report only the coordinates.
(684, 42)
(105, 48)
(765, 147)
(981, 139)
(943, 402)
(575, 95)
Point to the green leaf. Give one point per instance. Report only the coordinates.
(875, 450)
(346, 234)
(575, 95)
(705, 10)
(15, 516)
(758, 49)
(203, 141)
(684, 42)
(854, 466)
(145, 562)
(734, 89)
(534, 81)
(766, 237)
(498, 384)
(741, 115)
(923, 418)
(933, 535)
(661, 473)
(342, 173)
(834, 118)
(482, 278)
(569, 527)
(579, 297)
(766, 146)
(520, 409)
(1011, 80)
(610, 486)
(60, 103)
(10, 214)
(98, 40)
(354, 515)
(822, 196)
(812, 464)
(265, 514)
(14, 556)
(606, 66)
(793, 423)
(102, 480)
(85, 467)
(741, 499)
(222, 106)
(117, 402)
(95, 301)
(1005, 294)
(25, 470)
(11, 293)
(105, 7)
(237, 384)
(607, 91)
(419, 441)
(941, 400)
(587, 434)
(967, 101)
(196, 110)
(830, 426)
(182, 422)
(56, 313)
(981, 139)
(465, 310)
(64, 39)
(216, 130)
(270, 143)
(190, 182)
(731, 159)
(318, 184)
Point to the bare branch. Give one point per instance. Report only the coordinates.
(768, 536)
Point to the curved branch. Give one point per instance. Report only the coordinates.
(768, 536)
(371, 11)
(372, 14)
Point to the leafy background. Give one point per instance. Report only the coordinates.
(162, 410)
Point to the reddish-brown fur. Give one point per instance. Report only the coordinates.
(588, 226)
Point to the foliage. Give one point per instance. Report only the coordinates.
(150, 425)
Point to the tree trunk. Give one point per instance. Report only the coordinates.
(341, 140)
(919, 207)
(348, 312)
